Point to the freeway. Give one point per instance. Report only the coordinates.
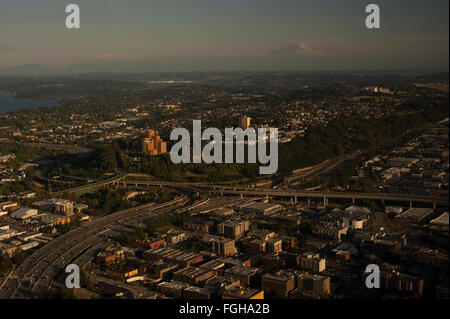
(71, 149)
(35, 276)
(225, 190)
(307, 174)
(92, 186)
(337, 195)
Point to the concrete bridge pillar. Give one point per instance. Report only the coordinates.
(410, 204)
(434, 205)
(325, 201)
(295, 199)
(353, 200)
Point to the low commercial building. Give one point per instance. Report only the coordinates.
(262, 208)
(394, 209)
(442, 220)
(6, 232)
(110, 256)
(24, 213)
(331, 230)
(231, 262)
(150, 243)
(184, 259)
(53, 220)
(7, 249)
(282, 259)
(29, 236)
(173, 288)
(262, 234)
(192, 275)
(199, 226)
(274, 245)
(29, 245)
(317, 284)
(221, 284)
(198, 293)
(246, 275)
(224, 212)
(414, 215)
(122, 272)
(161, 270)
(216, 265)
(345, 251)
(281, 282)
(402, 282)
(243, 293)
(159, 253)
(174, 236)
(9, 206)
(257, 246)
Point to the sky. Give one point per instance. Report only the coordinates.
(191, 35)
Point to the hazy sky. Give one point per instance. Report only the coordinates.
(228, 34)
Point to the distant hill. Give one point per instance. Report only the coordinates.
(27, 70)
(296, 49)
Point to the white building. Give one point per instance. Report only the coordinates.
(244, 122)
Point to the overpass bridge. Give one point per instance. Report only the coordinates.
(295, 195)
(91, 188)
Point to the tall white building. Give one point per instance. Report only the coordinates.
(244, 122)
(63, 207)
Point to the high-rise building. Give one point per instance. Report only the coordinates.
(63, 207)
(312, 262)
(152, 144)
(233, 228)
(320, 285)
(244, 122)
(223, 246)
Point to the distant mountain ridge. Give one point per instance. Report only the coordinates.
(31, 69)
(296, 49)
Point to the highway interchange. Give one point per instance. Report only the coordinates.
(35, 276)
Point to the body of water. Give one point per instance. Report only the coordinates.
(9, 104)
